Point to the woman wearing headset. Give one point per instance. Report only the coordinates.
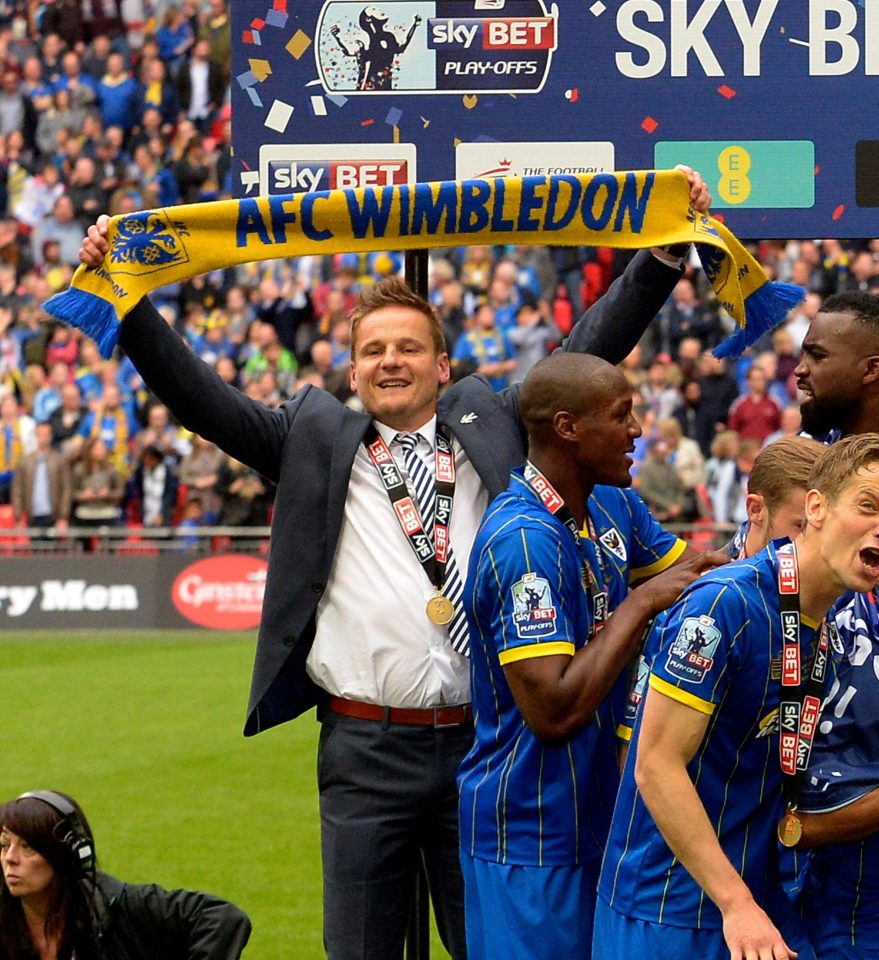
(54, 904)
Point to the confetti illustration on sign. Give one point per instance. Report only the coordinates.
(318, 106)
(298, 44)
(839, 211)
(279, 116)
(394, 116)
(649, 125)
(470, 101)
(572, 95)
(726, 91)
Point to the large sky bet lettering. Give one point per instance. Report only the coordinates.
(672, 39)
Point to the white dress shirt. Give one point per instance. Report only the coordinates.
(374, 641)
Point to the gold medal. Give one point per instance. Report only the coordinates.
(790, 829)
(440, 610)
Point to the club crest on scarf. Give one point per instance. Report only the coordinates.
(149, 242)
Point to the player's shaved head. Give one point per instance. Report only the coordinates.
(574, 383)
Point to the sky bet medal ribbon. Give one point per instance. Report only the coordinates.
(800, 708)
(553, 502)
(432, 510)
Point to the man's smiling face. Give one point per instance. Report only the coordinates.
(395, 368)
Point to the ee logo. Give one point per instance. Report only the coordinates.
(734, 185)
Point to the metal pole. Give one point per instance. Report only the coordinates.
(418, 932)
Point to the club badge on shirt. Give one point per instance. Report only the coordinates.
(533, 610)
(691, 656)
(614, 542)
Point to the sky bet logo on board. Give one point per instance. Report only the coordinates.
(495, 33)
(447, 46)
(290, 176)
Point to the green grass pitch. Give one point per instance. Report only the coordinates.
(144, 728)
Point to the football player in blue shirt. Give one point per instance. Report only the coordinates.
(776, 503)
(741, 656)
(839, 375)
(839, 807)
(544, 656)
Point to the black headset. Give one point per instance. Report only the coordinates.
(70, 830)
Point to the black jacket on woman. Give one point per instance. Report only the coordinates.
(143, 921)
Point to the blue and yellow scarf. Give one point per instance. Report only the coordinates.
(635, 209)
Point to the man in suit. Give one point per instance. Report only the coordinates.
(41, 486)
(351, 620)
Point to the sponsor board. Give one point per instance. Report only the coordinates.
(291, 168)
(403, 46)
(530, 159)
(701, 82)
(161, 591)
(223, 592)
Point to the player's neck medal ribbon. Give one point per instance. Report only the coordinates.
(800, 706)
(434, 556)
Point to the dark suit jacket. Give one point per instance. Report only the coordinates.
(308, 447)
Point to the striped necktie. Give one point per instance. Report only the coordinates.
(425, 496)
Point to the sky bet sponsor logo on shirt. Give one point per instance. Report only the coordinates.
(533, 613)
(692, 654)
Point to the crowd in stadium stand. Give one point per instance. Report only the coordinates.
(121, 105)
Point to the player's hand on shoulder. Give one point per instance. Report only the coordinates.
(749, 933)
(95, 246)
(703, 562)
(663, 589)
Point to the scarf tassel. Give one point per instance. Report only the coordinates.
(91, 314)
(765, 309)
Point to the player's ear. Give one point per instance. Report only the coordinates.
(755, 506)
(566, 424)
(871, 373)
(816, 509)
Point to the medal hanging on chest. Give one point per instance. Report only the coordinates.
(433, 556)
